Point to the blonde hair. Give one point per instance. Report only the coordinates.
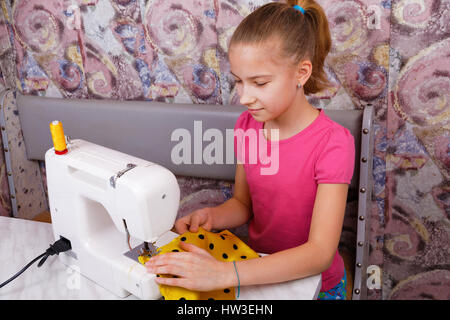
(302, 36)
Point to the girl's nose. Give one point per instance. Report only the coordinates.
(245, 98)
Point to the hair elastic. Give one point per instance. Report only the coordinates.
(297, 7)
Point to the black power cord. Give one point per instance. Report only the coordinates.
(59, 246)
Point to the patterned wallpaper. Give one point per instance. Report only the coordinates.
(392, 54)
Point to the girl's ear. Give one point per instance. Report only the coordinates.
(304, 71)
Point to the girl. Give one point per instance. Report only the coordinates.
(295, 214)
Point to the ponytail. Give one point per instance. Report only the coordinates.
(303, 35)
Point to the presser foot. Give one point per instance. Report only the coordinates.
(143, 252)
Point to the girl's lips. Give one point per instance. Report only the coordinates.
(254, 110)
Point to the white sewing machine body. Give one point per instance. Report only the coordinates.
(96, 194)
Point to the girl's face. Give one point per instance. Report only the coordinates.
(266, 82)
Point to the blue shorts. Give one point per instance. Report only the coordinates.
(338, 292)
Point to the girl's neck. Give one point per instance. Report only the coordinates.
(292, 121)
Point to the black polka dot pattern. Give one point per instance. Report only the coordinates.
(223, 246)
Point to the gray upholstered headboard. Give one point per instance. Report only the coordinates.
(139, 128)
(144, 129)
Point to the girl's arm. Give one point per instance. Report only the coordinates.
(232, 213)
(198, 270)
(237, 210)
(311, 258)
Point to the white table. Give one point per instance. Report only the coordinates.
(23, 240)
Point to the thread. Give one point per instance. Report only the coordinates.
(59, 140)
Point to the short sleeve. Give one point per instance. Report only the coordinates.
(336, 160)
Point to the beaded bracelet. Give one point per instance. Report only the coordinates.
(239, 283)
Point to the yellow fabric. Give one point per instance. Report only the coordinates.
(223, 246)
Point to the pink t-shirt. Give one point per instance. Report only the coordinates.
(283, 177)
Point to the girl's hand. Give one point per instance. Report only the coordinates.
(198, 218)
(195, 269)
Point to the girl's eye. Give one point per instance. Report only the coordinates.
(261, 84)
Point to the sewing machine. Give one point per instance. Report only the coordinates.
(103, 201)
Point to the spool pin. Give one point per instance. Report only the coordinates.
(59, 140)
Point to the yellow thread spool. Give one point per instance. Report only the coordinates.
(59, 140)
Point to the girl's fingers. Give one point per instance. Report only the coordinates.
(168, 269)
(194, 249)
(168, 258)
(194, 269)
(182, 225)
(177, 282)
(169, 263)
(207, 225)
(196, 220)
